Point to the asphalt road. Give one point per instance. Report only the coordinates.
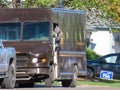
(77, 88)
(83, 87)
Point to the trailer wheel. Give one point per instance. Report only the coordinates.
(9, 81)
(73, 81)
(49, 81)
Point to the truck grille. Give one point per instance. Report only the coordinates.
(22, 60)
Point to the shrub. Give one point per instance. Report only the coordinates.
(91, 55)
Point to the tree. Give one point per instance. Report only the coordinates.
(45, 3)
(108, 9)
(111, 7)
(39, 3)
(16, 3)
(3, 3)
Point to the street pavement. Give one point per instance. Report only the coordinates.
(83, 87)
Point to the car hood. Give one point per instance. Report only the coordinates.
(91, 61)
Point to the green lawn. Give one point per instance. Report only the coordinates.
(98, 82)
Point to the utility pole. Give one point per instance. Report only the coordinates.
(60, 3)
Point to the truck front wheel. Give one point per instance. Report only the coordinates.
(9, 81)
(26, 84)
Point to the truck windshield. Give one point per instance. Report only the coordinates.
(36, 30)
(10, 31)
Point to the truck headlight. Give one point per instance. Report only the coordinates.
(37, 60)
(34, 60)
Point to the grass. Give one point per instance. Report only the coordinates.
(96, 82)
(99, 82)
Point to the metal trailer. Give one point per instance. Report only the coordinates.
(49, 43)
(70, 61)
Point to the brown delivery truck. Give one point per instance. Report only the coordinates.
(49, 43)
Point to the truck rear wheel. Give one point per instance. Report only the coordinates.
(9, 81)
(73, 81)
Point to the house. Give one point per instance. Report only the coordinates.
(103, 39)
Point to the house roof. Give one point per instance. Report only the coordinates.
(95, 22)
(101, 28)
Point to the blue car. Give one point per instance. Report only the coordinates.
(110, 62)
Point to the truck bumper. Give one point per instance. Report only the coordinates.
(32, 73)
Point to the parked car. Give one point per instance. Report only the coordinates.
(7, 66)
(110, 62)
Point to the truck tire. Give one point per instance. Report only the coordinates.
(49, 81)
(73, 81)
(9, 81)
(90, 73)
(26, 85)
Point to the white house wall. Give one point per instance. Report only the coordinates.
(101, 42)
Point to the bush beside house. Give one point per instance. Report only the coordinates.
(91, 55)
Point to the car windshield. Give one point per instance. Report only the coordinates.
(36, 30)
(10, 31)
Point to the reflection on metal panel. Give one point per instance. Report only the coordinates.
(71, 54)
(72, 24)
